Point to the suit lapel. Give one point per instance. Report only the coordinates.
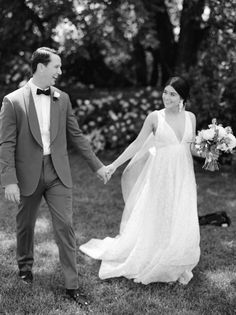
(54, 116)
(32, 115)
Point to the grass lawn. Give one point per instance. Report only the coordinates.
(97, 213)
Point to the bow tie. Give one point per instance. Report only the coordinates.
(45, 92)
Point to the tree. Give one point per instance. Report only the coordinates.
(104, 42)
(26, 25)
(170, 36)
(213, 78)
(165, 51)
(192, 30)
(108, 42)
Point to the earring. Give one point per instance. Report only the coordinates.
(181, 105)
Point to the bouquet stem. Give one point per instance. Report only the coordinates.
(211, 164)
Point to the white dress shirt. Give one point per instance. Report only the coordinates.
(42, 105)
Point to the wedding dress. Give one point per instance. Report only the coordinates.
(159, 231)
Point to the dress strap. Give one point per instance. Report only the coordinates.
(190, 124)
(159, 118)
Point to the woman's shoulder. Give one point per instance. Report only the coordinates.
(192, 118)
(154, 115)
(191, 114)
(152, 118)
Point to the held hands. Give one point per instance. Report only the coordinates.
(12, 193)
(110, 170)
(102, 174)
(105, 173)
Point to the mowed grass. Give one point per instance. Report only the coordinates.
(97, 213)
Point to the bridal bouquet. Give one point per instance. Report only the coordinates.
(212, 141)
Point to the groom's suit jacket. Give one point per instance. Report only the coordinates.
(21, 148)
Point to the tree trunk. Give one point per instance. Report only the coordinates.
(139, 59)
(191, 34)
(93, 70)
(167, 50)
(154, 74)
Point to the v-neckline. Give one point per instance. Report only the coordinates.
(179, 141)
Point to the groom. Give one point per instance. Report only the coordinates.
(36, 125)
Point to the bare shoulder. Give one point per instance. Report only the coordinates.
(153, 117)
(191, 115)
(152, 120)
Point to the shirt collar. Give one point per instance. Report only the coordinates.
(33, 87)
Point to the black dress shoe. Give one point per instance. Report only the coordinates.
(77, 296)
(26, 276)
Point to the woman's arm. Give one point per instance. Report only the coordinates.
(193, 149)
(150, 125)
(192, 146)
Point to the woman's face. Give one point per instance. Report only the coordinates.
(170, 97)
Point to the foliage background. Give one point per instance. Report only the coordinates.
(117, 53)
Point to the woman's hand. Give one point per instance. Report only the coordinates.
(110, 170)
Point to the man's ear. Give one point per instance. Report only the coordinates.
(40, 67)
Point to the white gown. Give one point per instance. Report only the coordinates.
(159, 232)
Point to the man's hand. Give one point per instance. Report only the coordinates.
(103, 175)
(12, 193)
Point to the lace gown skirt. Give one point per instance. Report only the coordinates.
(159, 233)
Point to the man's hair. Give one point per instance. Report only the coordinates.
(41, 55)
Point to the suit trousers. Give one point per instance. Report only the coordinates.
(59, 200)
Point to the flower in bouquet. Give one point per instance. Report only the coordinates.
(210, 142)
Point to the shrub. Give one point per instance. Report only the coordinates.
(113, 120)
(214, 80)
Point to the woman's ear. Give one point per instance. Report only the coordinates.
(181, 104)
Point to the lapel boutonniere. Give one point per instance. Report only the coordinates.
(56, 95)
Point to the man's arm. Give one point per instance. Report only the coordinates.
(8, 133)
(76, 137)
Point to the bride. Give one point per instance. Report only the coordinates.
(159, 231)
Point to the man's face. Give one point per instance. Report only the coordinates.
(52, 70)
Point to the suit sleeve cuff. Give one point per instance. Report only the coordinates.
(8, 178)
